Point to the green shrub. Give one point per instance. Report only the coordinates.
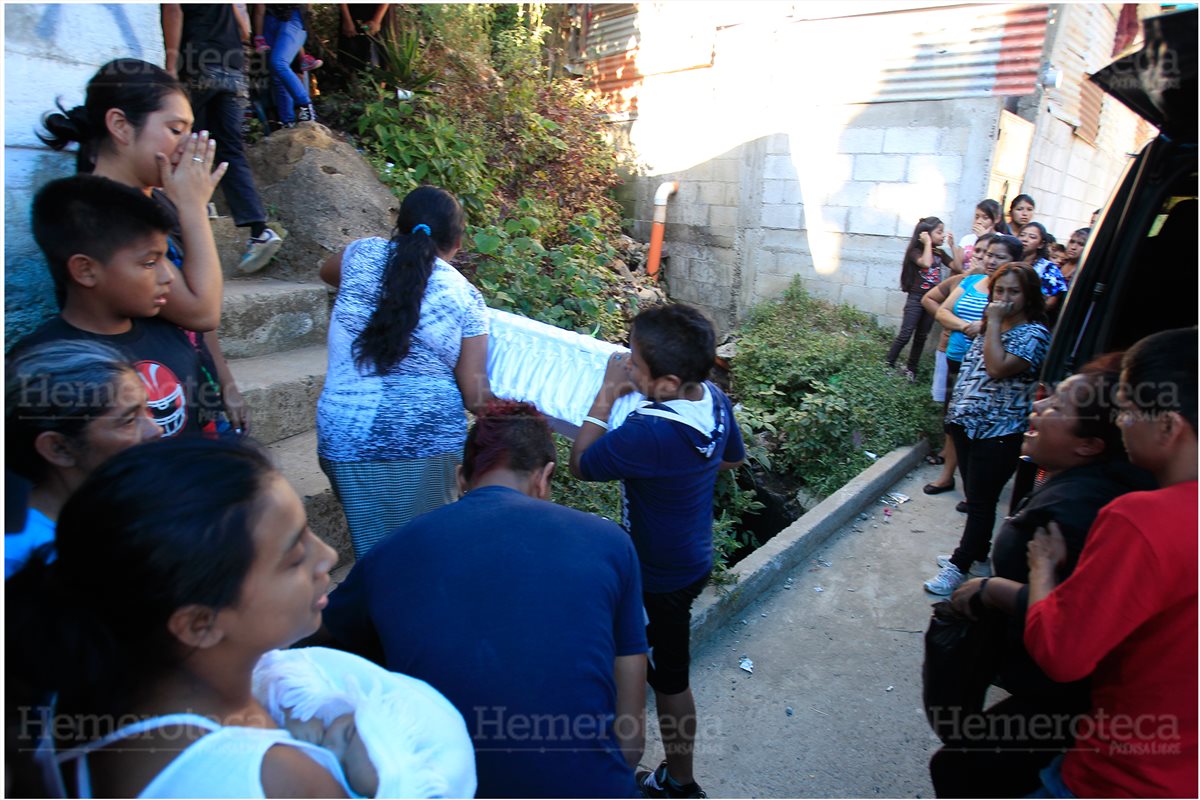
(816, 392)
(569, 286)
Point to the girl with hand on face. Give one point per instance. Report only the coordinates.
(135, 127)
(179, 565)
(1035, 252)
(69, 406)
(920, 272)
(988, 410)
(1020, 213)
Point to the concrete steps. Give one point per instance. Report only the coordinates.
(281, 390)
(273, 335)
(296, 458)
(261, 316)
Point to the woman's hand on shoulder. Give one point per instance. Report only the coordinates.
(191, 182)
(288, 772)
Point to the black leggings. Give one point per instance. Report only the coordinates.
(915, 325)
(985, 465)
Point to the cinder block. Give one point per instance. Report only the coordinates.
(727, 170)
(792, 264)
(895, 304)
(833, 218)
(861, 140)
(767, 287)
(852, 273)
(879, 276)
(779, 167)
(762, 262)
(781, 216)
(871, 221)
(911, 140)
(779, 144)
(879, 168)
(947, 169)
(853, 193)
(785, 241)
(872, 301)
(954, 140)
(823, 289)
(723, 215)
(717, 193)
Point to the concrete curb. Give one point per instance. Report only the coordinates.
(764, 567)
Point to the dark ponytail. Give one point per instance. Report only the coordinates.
(158, 527)
(134, 86)
(430, 220)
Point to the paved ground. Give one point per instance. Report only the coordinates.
(846, 660)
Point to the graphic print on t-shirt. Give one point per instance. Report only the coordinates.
(165, 396)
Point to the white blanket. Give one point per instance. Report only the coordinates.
(416, 740)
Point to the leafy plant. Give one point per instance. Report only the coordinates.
(811, 378)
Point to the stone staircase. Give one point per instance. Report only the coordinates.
(274, 324)
(273, 332)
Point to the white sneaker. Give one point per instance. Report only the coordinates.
(979, 569)
(946, 581)
(259, 251)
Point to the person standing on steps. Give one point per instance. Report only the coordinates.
(204, 49)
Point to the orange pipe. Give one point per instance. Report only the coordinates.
(660, 223)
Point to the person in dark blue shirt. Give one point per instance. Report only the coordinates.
(526, 615)
(667, 454)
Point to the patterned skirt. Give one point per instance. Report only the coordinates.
(381, 496)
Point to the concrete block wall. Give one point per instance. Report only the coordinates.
(1068, 177)
(50, 52)
(748, 221)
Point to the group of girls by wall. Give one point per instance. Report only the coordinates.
(956, 287)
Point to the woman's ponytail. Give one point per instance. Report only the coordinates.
(61, 128)
(430, 221)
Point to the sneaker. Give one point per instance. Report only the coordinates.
(260, 44)
(259, 251)
(308, 63)
(306, 113)
(946, 581)
(658, 784)
(979, 569)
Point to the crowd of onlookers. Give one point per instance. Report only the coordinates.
(154, 557)
(1083, 609)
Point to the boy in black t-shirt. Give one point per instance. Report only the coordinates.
(106, 246)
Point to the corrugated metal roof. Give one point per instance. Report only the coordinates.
(937, 53)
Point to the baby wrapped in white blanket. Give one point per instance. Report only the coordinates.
(396, 736)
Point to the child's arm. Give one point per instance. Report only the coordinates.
(616, 383)
(235, 406)
(195, 299)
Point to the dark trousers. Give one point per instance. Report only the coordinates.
(985, 466)
(1007, 746)
(220, 113)
(915, 325)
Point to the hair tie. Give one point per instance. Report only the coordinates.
(422, 228)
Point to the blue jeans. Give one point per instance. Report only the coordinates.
(220, 113)
(286, 37)
(1052, 782)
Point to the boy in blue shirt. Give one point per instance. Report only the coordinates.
(106, 247)
(667, 455)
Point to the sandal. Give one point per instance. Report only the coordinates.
(935, 460)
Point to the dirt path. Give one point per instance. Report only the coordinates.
(846, 660)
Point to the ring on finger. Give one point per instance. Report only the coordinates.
(197, 158)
